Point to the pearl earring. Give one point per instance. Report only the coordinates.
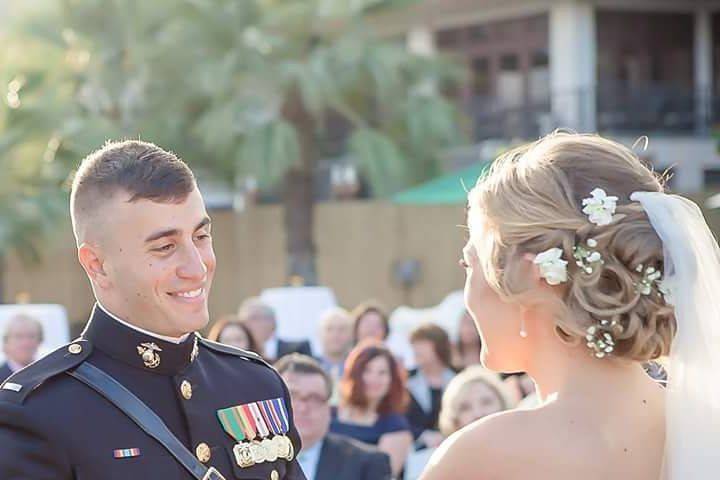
(523, 332)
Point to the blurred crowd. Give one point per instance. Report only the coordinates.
(361, 415)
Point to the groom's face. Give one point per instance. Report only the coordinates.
(158, 263)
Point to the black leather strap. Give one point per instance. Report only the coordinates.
(143, 416)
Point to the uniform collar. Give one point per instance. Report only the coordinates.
(138, 348)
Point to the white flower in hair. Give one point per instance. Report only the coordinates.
(599, 207)
(552, 267)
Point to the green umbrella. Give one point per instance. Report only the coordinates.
(448, 189)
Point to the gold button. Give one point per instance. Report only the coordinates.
(75, 348)
(274, 475)
(202, 452)
(186, 390)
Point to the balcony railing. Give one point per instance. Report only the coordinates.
(651, 109)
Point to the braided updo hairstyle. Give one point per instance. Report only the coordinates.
(531, 201)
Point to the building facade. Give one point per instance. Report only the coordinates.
(623, 68)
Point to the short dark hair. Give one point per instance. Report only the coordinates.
(141, 169)
(305, 365)
(438, 337)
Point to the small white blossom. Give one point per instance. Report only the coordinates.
(552, 267)
(600, 207)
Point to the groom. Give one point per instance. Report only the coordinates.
(144, 241)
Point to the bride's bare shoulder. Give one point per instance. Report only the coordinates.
(486, 449)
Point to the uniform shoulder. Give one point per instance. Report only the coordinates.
(230, 350)
(22, 383)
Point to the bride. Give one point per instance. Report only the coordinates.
(579, 270)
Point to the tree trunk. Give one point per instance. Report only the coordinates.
(299, 196)
(299, 216)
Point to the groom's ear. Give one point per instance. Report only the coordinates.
(93, 262)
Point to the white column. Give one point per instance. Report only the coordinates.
(573, 58)
(702, 52)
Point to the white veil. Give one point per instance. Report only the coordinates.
(692, 273)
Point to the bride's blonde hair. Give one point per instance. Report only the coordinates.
(531, 200)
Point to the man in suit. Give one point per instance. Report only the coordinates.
(144, 241)
(259, 317)
(21, 340)
(326, 456)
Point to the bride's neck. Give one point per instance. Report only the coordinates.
(565, 373)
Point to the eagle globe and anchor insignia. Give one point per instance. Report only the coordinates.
(149, 354)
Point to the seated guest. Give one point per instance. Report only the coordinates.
(466, 351)
(372, 402)
(471, 395)
(336, 337)
(259, 317)
(21, 341)
(231, 331)
(370, 322)
(325, 456)
(431, 346)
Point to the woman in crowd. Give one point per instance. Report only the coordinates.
(471, 395)
(370, 322)
(372, 402)
(431, 347)
(466, 351)
(231, 331)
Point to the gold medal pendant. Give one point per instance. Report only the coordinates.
(270, 450)
(280, 446)
(291, 449)
(259, 454)
(243, 455)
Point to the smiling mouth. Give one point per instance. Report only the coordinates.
(190, 294)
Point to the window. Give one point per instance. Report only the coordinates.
(509, 62)
(711, 178)
(481, 76)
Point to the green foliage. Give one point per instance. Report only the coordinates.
(216, 81)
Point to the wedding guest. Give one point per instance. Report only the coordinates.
(431, 347)
(21, 341)
(471, 395)
(466, 350)
(231, 331)
(370, 322)
(259, 317)
(372, 402)
(325, 456)
(336, 337)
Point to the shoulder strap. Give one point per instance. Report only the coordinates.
(143, 416)
(22, 383)
(230, 350)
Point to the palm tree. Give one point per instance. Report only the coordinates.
(261, 88)
(32, 197)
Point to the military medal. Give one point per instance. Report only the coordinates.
(286, 449)
(238, 424)
(243, 455)
(252, 425)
